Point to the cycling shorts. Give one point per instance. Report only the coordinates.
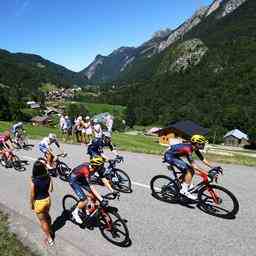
(79, 186)
(176, 161)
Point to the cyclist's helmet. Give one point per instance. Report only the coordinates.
(52, 136)
(19, 124)
(97, 162)
(198, 139)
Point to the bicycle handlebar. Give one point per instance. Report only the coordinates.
(111, 196)
(62, 155)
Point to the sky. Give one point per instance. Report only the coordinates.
(72, 33)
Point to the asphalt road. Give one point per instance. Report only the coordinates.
(156, 228)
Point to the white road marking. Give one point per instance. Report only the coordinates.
(140, 184)
(133, 182)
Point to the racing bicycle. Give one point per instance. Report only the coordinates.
(118, 178)
(212, 199)
(112, 226)
(9, 159)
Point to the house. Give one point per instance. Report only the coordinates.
(236, 138)
(33, 104)
(40, 120)
(179, 131)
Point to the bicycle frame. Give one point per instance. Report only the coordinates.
(205, 182)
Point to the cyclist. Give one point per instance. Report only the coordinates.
(101, 172)
(45, 149)
(80, 179)
(173, 157)
(95, 148)
(6, 144)
(17, 131)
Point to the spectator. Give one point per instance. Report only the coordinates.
(88, 130)
(109, 123)
(67, 127)
(78, 128)
(40, 187)
(62, 123)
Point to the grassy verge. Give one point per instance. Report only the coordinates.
(9, 244)
(135, 143)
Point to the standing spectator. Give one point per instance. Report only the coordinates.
(67, 127)
(40, 187)
(88, 130)
(78, 128)
(97, 130)
(109, 123)
(62, 122)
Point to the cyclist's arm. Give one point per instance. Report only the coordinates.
(195, 167)
(113, 149)
(202, 158)
(95, 192)
(61, 149)
(107, 184)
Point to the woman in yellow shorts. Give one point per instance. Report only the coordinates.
(40, 188)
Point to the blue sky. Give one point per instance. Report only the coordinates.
(72, 33)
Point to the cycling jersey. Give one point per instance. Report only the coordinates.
(173, 154)
(184, 150)
(80, 178)
(3, 139)
(45, 144)
(95, 148)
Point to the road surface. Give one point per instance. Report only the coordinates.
(156, 228)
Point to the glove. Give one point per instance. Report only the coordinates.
(104, 203)
(219, 169)
(116, 194)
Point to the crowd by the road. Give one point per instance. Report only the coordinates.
(84, 129)
(79, 178)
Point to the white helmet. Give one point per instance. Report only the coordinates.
(87, 117)
(107, 134)
(52, 136)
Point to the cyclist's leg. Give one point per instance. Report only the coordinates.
(77, 187)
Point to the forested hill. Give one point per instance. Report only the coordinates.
(31, 70)
(209, 76)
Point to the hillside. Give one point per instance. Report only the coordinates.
(21, 67)
(208, 76)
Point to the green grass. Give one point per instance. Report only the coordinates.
(134, 143)
(138, 143)
(9, 244)
(100, 108)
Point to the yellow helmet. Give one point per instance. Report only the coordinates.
(97, 162)
(199, 139)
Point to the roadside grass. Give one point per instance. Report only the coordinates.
(237, 159)
(134, 143)
(9, 244)
(138, 143)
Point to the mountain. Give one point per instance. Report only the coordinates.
(106, 68)
(208, 75)
(130, 63)
(18, 67)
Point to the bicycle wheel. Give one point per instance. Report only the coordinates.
(123, 184)
(113, 227)
(69, 203)
(218, 201)
(164, 188)
(17, 164)
(63, 171)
